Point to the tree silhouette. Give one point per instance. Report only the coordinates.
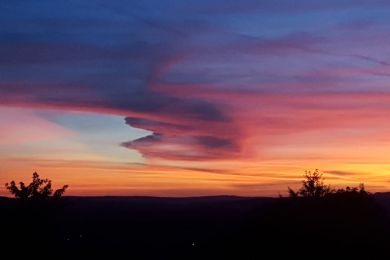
(37, 189)
(313, 187)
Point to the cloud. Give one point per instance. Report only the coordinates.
(341, 173)
(209, 83)
(280, 7)
(185, 147)
(21, 127)
(214, 142)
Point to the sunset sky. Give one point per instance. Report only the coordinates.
(187, 98)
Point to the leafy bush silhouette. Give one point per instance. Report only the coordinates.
(313, 187)
(37, 189)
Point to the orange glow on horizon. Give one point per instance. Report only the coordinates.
(269, 178)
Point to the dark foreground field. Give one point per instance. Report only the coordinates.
(195, 228)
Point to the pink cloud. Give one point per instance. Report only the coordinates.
(21, 126)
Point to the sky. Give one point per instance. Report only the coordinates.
(191, 98)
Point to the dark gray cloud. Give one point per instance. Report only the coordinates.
(215, 142)
(340, 173)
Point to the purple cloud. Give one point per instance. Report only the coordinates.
(205, 77)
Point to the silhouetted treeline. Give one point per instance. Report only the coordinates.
(316, 220)
(339, 222)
